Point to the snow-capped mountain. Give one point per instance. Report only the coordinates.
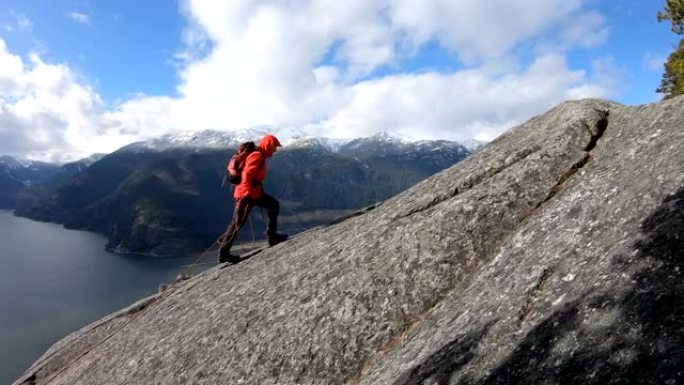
(207, 139)
(212, 139)
(318, 177)
(82, 164)
(9, 165)
(384, 144)
(16, 175)
(329, 144)
(473, 144)
(24, 172)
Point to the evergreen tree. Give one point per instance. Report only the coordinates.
(672, 83)
(674, 11)
(673, 78)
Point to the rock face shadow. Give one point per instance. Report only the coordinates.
(644, 347)
(437, 368)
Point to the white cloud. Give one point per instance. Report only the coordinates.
(607, 74)
(78, 17)
(479, 30)
(586, 30)
(22, 21)
(466, 104)
(654, 62)
(313, 63)
(46, 113)
(264, 65)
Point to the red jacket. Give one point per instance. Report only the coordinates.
(254, 171)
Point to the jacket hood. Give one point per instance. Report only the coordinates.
(268, 145)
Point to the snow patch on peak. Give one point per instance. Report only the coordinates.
(211, 139)
(290, 137)
(330, 144)
(473, 144)
(10, 163)
(384, 136)
(83, 163)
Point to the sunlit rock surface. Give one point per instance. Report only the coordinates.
(551, 256)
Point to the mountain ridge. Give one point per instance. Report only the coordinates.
(16, 175)
(165, 198)
(216, 140)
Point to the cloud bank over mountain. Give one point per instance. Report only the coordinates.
(423, 69)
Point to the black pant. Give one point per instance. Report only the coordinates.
(242, 209)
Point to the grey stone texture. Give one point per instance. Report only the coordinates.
(551, 256)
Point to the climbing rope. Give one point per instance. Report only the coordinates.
(168, 290)
(184, 275)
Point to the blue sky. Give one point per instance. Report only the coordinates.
(83, 76)
(123, 48)
(638, 44)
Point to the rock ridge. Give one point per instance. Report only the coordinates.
(549, 256)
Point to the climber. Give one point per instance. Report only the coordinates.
(248, 193)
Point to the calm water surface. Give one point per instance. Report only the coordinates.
(53, 281)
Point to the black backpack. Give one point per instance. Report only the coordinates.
(237, 162)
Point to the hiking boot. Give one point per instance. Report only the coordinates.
(226, 257)
(276, 239)
(229, 259)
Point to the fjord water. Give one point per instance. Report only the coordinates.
(53, 281)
